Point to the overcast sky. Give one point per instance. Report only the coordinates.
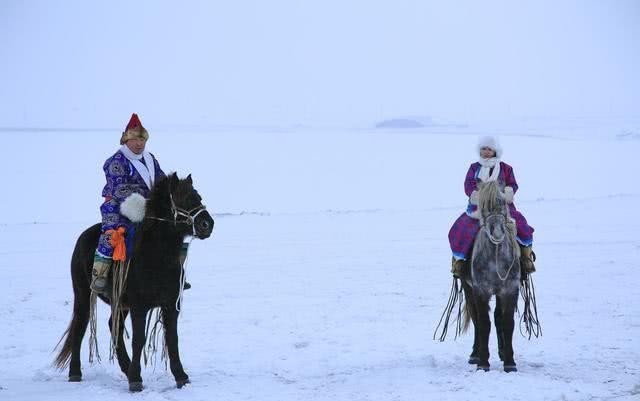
(330, 62)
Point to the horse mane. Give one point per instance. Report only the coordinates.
(488, 194)
(159, 196)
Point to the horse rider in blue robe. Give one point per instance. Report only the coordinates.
(130, 170)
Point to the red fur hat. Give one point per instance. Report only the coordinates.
(134, 130)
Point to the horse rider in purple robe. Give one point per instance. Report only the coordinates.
(489, 167)
(130, 170)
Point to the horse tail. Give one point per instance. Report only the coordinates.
(81, 261)
(467, 312)
(72, 337)
(64, 356)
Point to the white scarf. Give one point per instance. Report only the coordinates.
(487, 164)
(148, 172)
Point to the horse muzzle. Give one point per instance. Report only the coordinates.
(203, 225)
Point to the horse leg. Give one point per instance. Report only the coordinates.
(121, 349)
(170, 320)
(77, 330)
(497, 320)
(138, 323)
(484, 329)
(509, 303)
(471, 310)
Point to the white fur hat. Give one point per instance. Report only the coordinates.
(492, 142)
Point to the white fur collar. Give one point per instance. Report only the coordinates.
(130, 155)
(146, 170)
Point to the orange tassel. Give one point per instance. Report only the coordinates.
(117, 242)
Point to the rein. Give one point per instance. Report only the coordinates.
(190, 217)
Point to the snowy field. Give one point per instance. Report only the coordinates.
(329, 265)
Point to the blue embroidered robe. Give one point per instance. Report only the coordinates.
(122, 180)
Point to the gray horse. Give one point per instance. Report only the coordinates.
(495, 270)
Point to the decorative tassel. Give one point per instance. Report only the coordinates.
(93, 328)
(153, 332)
(529, 318)
(120, 271)
(456, 296)
(118, 243)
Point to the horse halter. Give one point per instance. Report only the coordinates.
(498, 241)
(494, 240)
(190, 216)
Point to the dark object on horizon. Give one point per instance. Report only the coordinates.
(404, 123)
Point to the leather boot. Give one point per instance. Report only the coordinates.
(183, 258)
(458, 267)
(100, 275)
(527, 257)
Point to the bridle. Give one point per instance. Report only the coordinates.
(494, 240)
(189, 216)
(498, 241)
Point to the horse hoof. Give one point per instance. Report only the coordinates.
(510, 368)
(135, 386)
(484, 368)
(181, 383)
(474, 360)
(75, 378)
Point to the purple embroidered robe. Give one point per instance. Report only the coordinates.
(464, 230)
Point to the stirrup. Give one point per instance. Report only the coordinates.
(457, 269)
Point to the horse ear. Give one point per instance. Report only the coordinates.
(173, 181)
(189, 180)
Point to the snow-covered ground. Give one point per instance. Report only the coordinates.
(329, 265)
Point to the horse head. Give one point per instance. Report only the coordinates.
(175, 200)
(493, 210)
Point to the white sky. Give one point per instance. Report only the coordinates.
(332, 62)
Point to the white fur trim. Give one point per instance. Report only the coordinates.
(133, 207)
(129, 154)
(508, 194)
(473, 199)
(147, 171)
(475, 214)
(492, 142)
